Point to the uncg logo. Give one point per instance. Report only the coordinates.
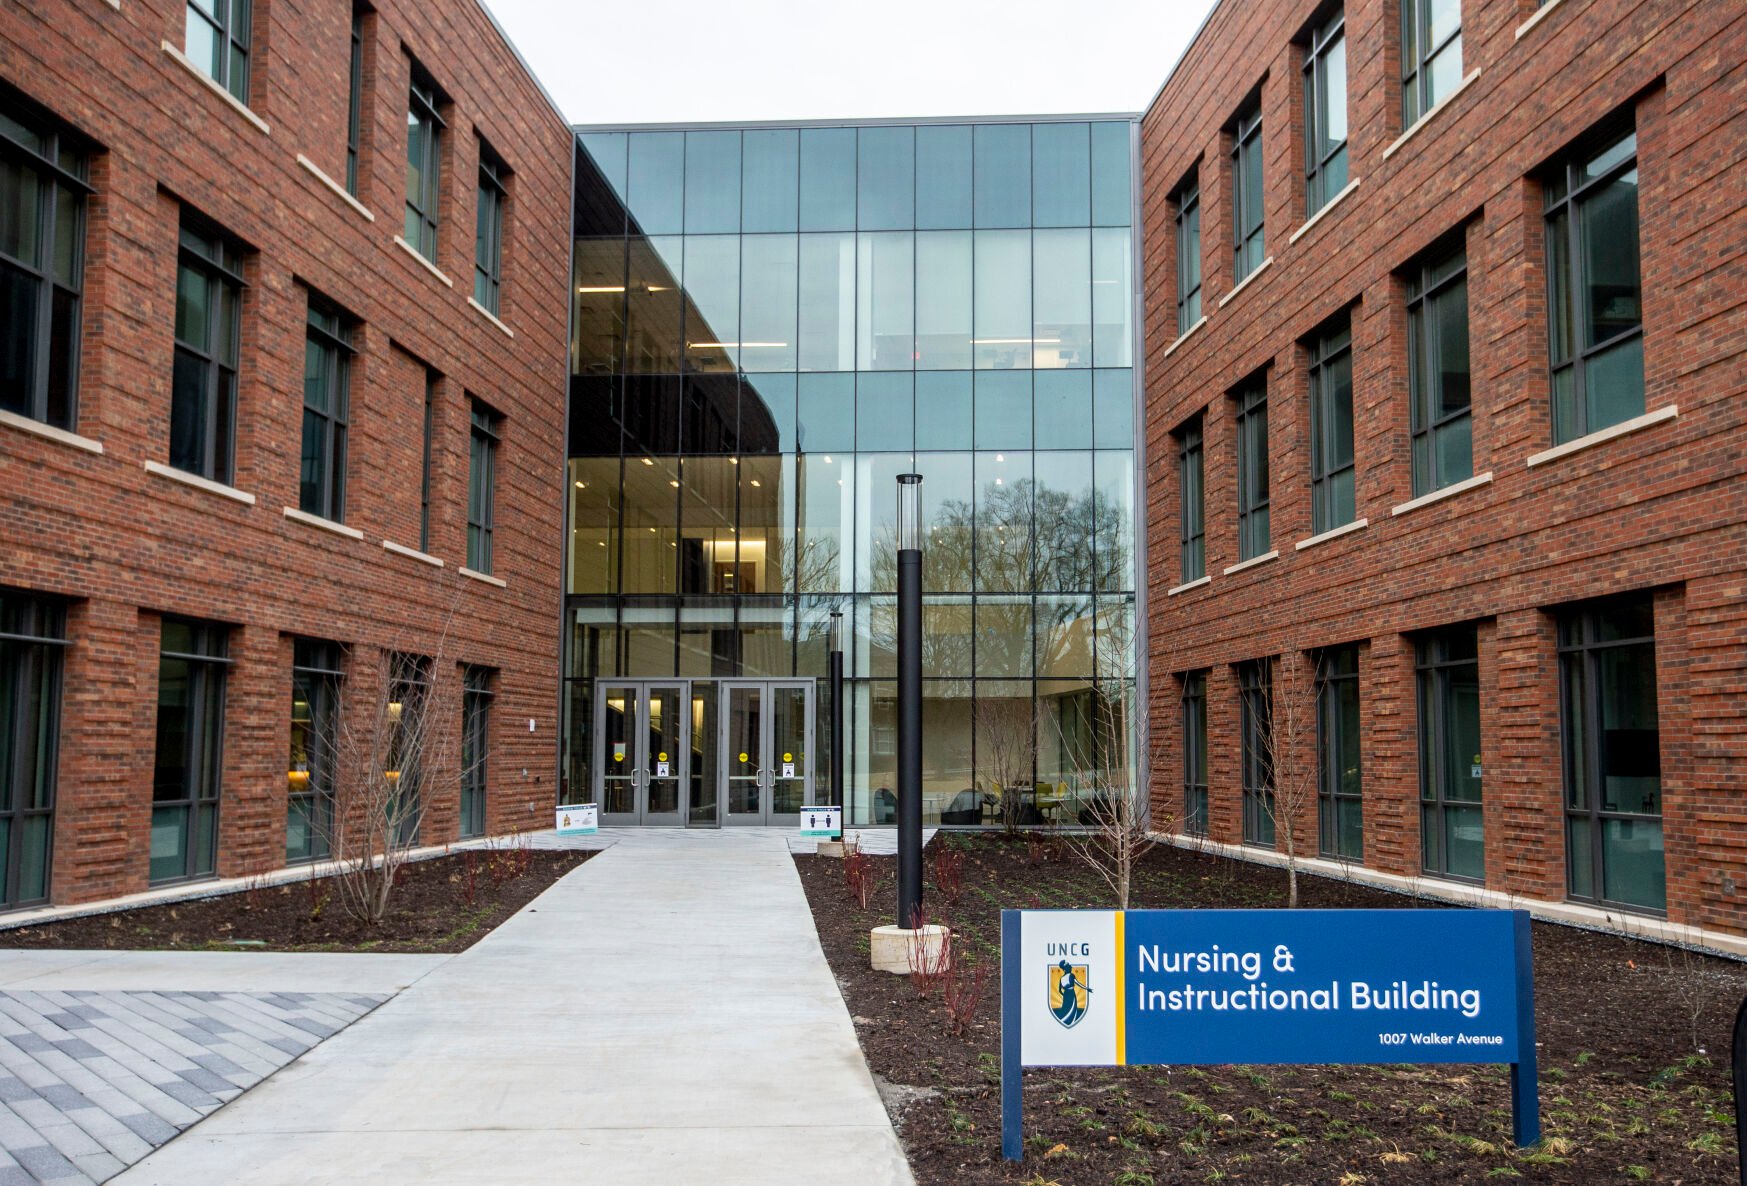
(1069, 993)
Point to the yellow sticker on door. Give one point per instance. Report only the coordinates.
(742, 756)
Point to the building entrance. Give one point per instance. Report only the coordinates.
(703, 753)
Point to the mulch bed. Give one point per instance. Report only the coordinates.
(444, 904)
(1634, 1057)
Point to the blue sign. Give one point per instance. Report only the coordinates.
(1110, 988)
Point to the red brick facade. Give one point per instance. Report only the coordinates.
(1662, 509)
(126, 545)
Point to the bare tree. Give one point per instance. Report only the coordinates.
(1006, 742)
(1287, 737)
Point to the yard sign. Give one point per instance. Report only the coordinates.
(1115, 987)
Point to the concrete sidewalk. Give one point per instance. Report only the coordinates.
(661, 1016)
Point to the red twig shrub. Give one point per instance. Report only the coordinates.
(949, 873)
(961, 988)
(928, 968)
(858, 877)
(469, 876)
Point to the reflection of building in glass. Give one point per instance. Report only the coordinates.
(769, 325)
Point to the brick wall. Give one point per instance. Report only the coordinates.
(127, 546)
(1662, 509)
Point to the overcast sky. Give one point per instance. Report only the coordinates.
(656, 61)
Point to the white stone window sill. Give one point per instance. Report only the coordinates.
(1540, 15)
(432, 268)
(490, 316)
(49, 432)
(1245, 282)
(206, 80)
(1197, 583)
(412, 553)
(1252, 562)
(115, 4)
(1183, 337)
(1450, 491)
(338, 190)
(480, 576)
(200, 483)
(1601, 436)
(297, 516)
(1431, 113)
(1331, 533)
(1319, 215)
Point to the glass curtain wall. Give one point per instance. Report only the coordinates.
(770, 325)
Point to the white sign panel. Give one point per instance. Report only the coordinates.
(1067, 988)
(579, 819)
(821, 822)
(661, 770)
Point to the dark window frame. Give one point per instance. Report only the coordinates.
(1190, 276)
(423, 217)
(33, 639)
(1431, 281)
(1327, 349)
(1192, 497)
(329, 331)
(217, 259)
(203, 754)
(1256, 769)
(1249, 242)
(425, 471)
(476, 699)
(489, 229)
(59, 161)
(410, 685)
(1253, 472)
(231, 23)
(1581, 691)
(486, 435)
(1194, 715)
(317, 669)
(1321, 168)
(1416, 58)
(1568, 309)
(355, 102)
(1332, 789)
(1440, 656)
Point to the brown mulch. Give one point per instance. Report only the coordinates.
(444, 904)
(1634, 1058)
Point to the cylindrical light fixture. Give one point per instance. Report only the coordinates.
(909, 700)
(909, 512)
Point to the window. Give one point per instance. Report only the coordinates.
(1195, 753)
(481, 486)
(315, 700)
(475, 748)
(203, 393)
(1613, 754)
(1191, 488)
(32, 636)
(424, 135)
(1255, 713)
(327, 367)
(42, 249)
(1337, 754)
(1252, 470)
(1331, 428)
(488, 247)
(1188, 202)
(218, 43)
(1438, 371)
(1596, 333)
(409, 694)
(1452, 828)
(1246, 192)
(188, 766)
(355, 103)
(1431, 55)
(1325, 112)
(425, 471)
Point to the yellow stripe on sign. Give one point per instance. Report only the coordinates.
(1121, 997)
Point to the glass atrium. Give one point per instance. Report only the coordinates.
(769, 325)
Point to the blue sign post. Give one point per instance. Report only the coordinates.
(1112, 987)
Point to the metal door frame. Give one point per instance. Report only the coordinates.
(640, 757)
(765, 817)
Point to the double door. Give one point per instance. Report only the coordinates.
(643, 753)
(766, 750)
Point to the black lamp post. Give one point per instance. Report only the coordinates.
(909, 700)
(834, 671)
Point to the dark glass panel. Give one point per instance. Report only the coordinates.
(1002, 154)
(1064, 409)
(826, 407)
(943, 409)
(1003, 409)
(943, 177)
(1061, 174)
(1113, 409)
(884, 412)
(828, 179)
(1112, 198)
(654, 305)
(886, 179)
(769, 180)
(18, 319)
(600, 184)
(655, 187)
(712, 183)
(767, 413)
(710, 420)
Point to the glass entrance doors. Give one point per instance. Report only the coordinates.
(766, 750)
(643, 754)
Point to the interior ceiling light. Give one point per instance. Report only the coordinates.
(674, 482)
(648, 461)
(602, 288)
(756, 482)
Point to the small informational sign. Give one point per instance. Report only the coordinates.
(821, 823)
(661, 770)
(788, 769)
(1200, 987)
(618, 751)
(579, 819)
